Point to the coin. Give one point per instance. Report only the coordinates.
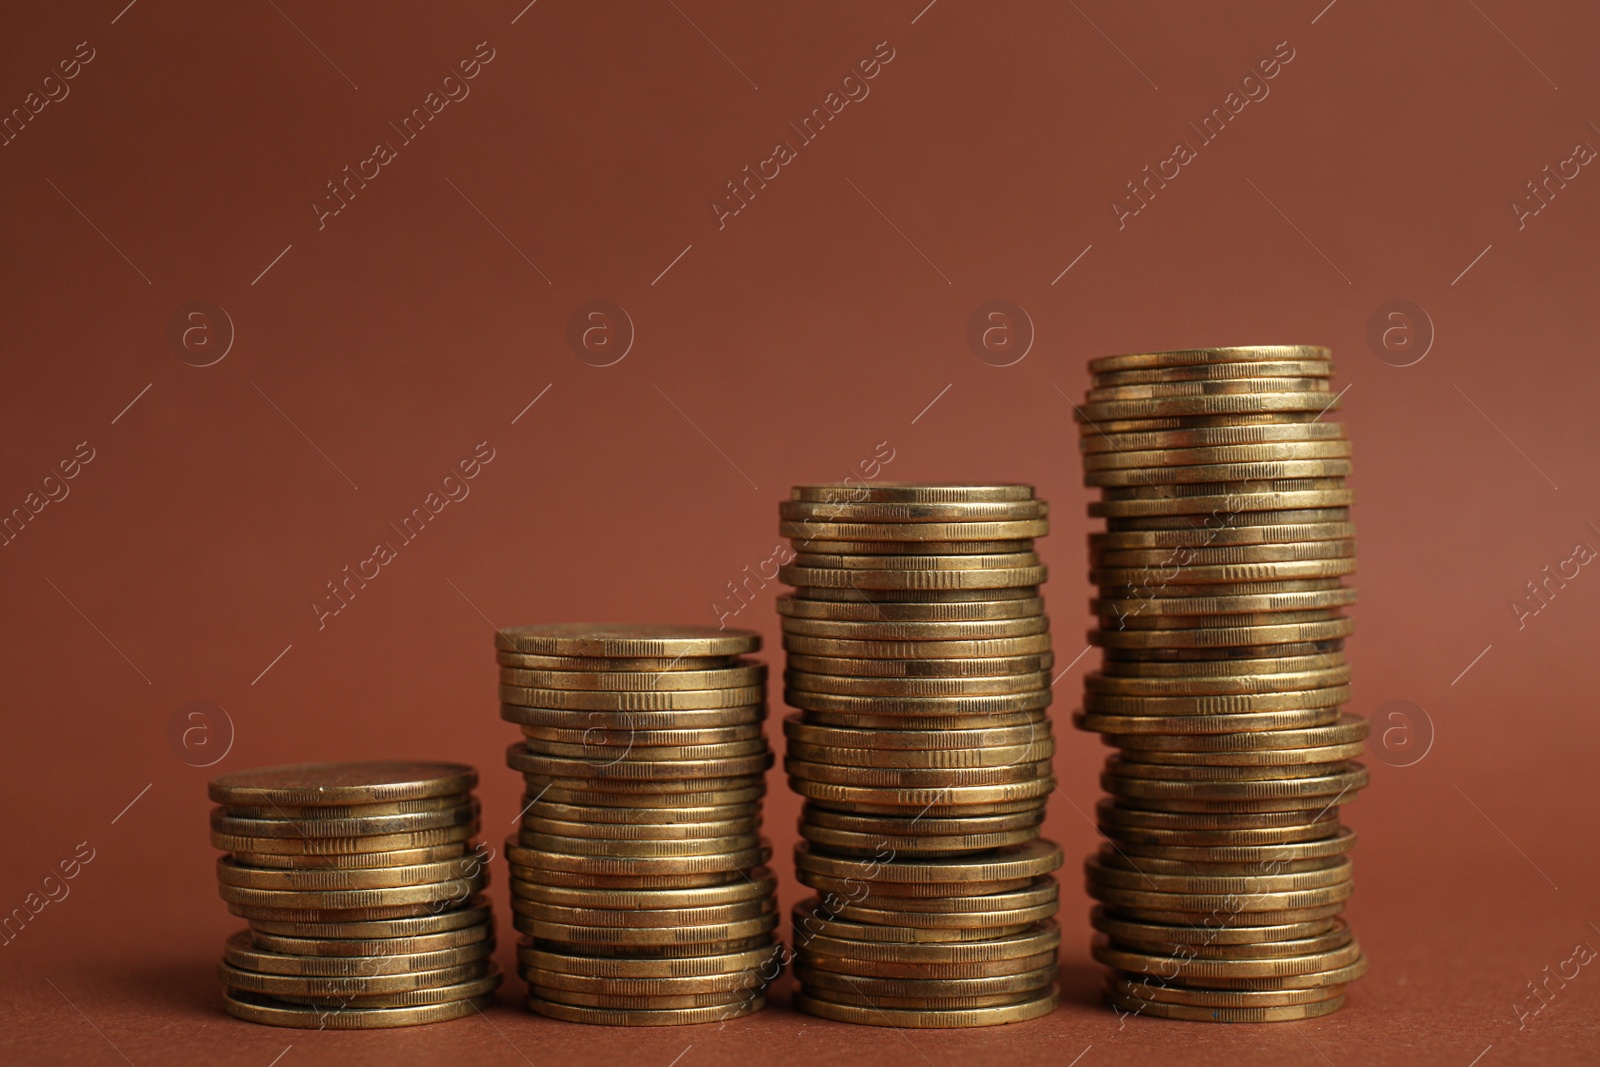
(372, 946)
(222, 823)
(262, 1009)
(910, 1018)
(652, 640)
(655, 1017)
(474, 914)
(315, 784)
(241, 952)
(909, 492)
(1004, 530)
(897, 630)
(591, 700)
(231, 872)
(626, 719)
(611, 967)
(868, 511)
(792, 607)
(743, 676)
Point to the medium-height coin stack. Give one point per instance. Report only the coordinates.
(1220, 616)
(638, 873)
(919, 657)
(357, 880)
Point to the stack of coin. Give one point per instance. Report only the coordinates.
(358, 882)
(919, 657)
(638, 870)
(1220, 615)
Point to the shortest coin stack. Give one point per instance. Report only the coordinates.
(639, 871)
(358, 881)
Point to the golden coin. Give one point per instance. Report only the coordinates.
(261, 1009)
(598, 818)
(1109, 811)
(742, 962)
(222, 823)
(1003, 530)
(635, 831)
(737, 982)
(1341, 783)
(1221, 772)
(600, 737)
(807, 926)
(653, 796)
(985, 667)
(626, 640)
(986, 756)
(601, 846)
(924, 706)
(1320, 367)
(813, 512)
(799, 730)
(914, 1019)
(604, 747)
(1194, 573)
(337, 861)
(1102, 392)
(1200, 725)
(1152, 902)
(1241, 636)
(540, 859)
(924, 845)
(1220, 668)
(1004, 578)
(1194, 969)
(816, 817)
(1266, 757)
(409, 998)
(1167, 561)
(918, 548)
(830, 984)
(1000, 646)
(1135, 687)
(372, 946)
(1285, 1013)
(945, 800)
(895, 630)
(858, 595)
(893, 894)
(1135, 858)
(1214, 934)
(1040, 892)
(909, 493)
(792, 607)
(1213, 535)
(519, 758)
(648, 1017)
(1284, 854)
(1234, 404)
(315, 784)
(677, 935)
(1190, 357)
(656, 1001)
(475, 914)
(239, 951)
(1338, 976)
(745, 675)
(1020, 861)
(622, 719)
(283, 812)
(923, 723)
(1154, 881)
(820, 950)
(1103, 440)
(349, 899)
(915, 777)
(914, 561)
(1220, 704)
(305, 985)
(1233, 517)
(368, 843)
(711, 914)
(1144, 988)
(922, 971)
(1162, 458)
(757, 886)
(972, 920)
(590, 700)
(532, 661)
(230, 872)
(1220, 472)
(1337, 937)
(1231, 501)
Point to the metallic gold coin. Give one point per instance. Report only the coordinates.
(230, 872)
(914, 561)
(1137, 838)
(1154, 881)
(626, 640)
(222, 823)
(1194, 969)
(929, 706)
(1231, 516)
(1141, 618)
(1021, 861)
(923, 971)
(921, 723)
(601, 846)
(918, 844)
(307, 985)
(1337, 937)
(864, 902)
(261, 1009)
(1101, 392)
(1282, 758)
(597, 739)
(1339, 976)
(799, 731)
(858, 595)
(908, 493)
(646, 820)
(921, 548)
(1208, 772)
(797, 608)
(1341, 783)
(1143, 987)
(1163, 458)
(1316, 400)
(1219, 668)
(1245, 857)
(344, 861)
(625, 719)
(827, 984)
(1001, 578)
(986, 667)
(1000, 646)
(819, 950)
(918, 1003)
(758, 885)
(1109, 811)
(737, 982)
(1349, 729)
(895, 777)
(913, 531)
(914, 1019)
(1192, 357)
(348, 899)
(649, 1017)
(807, 925)
(1287, 1013)
(989, 920)
(475, 914)
(985, 822)
(1218, 704)
(1224, 502)
(905, 511)
(714, 933)
(1213, 533)
(372, 946)
(1136, 687)
(742, 676)
(524, 877)
(315, 784)
(589, 700)
(1151, 903)
(1211, 933)
(599, 918)
(409, 998)
(1241, 636)
(240, 951)
(282, 812)
(621, 745)
(531, 661)
(934, 800)
(985, 756)
(896, 894)
(895, 630)
(1219, 472)
(761, 959)
(1284, 368)
(540, 859)
(520, 758)
(1166, 561)
(326, 846)
(621, 832)
(1194, 573)
(649, 1002)
(1103, 439)
(650, 795)
(1200, 725)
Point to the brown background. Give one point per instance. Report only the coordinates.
(822, 320)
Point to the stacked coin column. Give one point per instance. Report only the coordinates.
(358, 882)
(638, 871)
(1221, 619)
(919, 657)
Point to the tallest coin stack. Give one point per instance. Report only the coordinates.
(1220, 615)
(919, 655)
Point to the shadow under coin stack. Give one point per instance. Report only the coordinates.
(1221, 620)
(358, 881)
(919, 657)
(638, 873)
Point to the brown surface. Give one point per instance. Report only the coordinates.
(796, 338)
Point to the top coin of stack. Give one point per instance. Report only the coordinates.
(638, 872)
(1220, 614)
(358, 882)
(919, 657)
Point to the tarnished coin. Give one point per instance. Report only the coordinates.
(1207, 1014)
